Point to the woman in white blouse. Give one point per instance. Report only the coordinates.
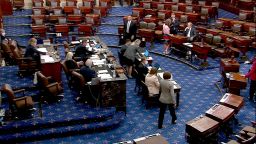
(151, 80)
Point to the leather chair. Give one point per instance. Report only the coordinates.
(78, 83)
(143, 25)
(68, 71)
(19, 106)
(27, 66)
(183, 22)
(7, 53)
(53, 3)
(219, 25)
(18, 4)
(87, 8)
(202, 3)
(38, 3)
(188, 2)
(204, 15)
(208, 38)
(189, 9)
(175, 8)
(160, 6)
(51, 91)
(242, 16)
(236, 28)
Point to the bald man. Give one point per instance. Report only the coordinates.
(190, 32)
(130, 28)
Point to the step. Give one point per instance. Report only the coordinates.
(55, 120)
(63, 131)
(108, 29)
(16, 21)
(112, 20)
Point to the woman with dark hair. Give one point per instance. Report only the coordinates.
(167, 99)
(152, 83)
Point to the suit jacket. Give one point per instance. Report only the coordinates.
(87, 73)
(153, 84)
(193, 33)
(174, 26)
(142, 71)
(167, 92)
(130, 52)
(82, 51)
(132, 29)
(32, 52)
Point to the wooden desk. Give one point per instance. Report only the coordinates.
(220, 113)
(226, 22)
(201, 49)
(227, 65)
(177, 39)
(201, 128)
(52, 68)
(237, 82)
(233, 101)
(214, 31)
(152, 139)
(224, 35)
(247, 25)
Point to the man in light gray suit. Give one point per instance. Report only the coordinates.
(167, 98)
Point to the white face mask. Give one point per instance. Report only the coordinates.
(3, 34)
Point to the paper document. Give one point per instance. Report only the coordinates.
(174, 82)
(98, 62)
(47, 58)
(42, 49)
(160, 75)
(105, 76)
(75, 42)
(102, 71)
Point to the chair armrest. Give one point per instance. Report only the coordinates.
(19, 91)
(240, 138)
(20, 98)
(52, 85)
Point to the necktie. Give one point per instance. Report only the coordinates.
(128, 26)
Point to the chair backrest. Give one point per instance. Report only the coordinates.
(42, 80)
(216, 40)
(208, 38)
(143, 25)
(175, 8)
(89, 20)
(160, 6)
(161, 0)
(189, 9)
(216, 4)
(57, 11)
(6, 88)
(87, 4)
(103, 4)
(183, 18)
(161, 15)
(62, 20)
(175, 1)
(151, 25)
(54, 4)
(202, 3)
(96, 11)
(64, 67)
(76, 11)
(219, 24)
(70, 3)
(38, 4)
(252, 31)
(146, 5)
(242, 16)
(37, 11)
(78, 80)
(38, 21)
(204, 11)
(188, 1)
(236, 28)
(135, 13)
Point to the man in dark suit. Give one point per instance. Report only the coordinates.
(174, 27)
(82, 51)
(87, 72)
(142, 68)
(190, 32)
(31, 50)
(130, 29)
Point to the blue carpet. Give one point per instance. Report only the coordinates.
(107, 29)
(21, 20)
(113, 20)
(198, 94)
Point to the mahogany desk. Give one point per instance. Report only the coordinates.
(233, 101)
(227, 65)
(178, 39)
(52, 68)
(201, 128)
(237, 82)
(220, 113)
(152, 139)
(201, 50)
(214, 31)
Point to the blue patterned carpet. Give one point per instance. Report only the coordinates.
(198, 94)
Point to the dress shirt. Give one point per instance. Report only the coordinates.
(166, 29)
(128, 26)
(189, 30)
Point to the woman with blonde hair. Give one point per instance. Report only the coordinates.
(31, 50)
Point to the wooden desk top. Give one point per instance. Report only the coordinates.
(229, 62)
(237, 77)
(52, 55)
(151, 140)
(200, 44)
(201, 125)
(232, 101)
(220, 113)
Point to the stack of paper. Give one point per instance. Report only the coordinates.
(161, 75)
(42, 50)
(95, 57)
(98, 62)
(75, 42)
(188, 44)
(102, 71)
(47, 58)
(105, 76)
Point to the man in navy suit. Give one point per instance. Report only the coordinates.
(174, 24)
(190, 32)
(130, 29)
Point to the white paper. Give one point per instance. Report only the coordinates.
(102, 71)
(139, 139)
(42, 49)
(97, 62)
(161, 75)
(105, 76)
(47, 58)
(149, 58)
(75, 42)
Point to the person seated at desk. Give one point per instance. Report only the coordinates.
(82, 51)
(174, 25)
(31, 50)
(151, 81)
(142, 68)
(70, 63)
(130, 54)
(87, 72)
(252, 76)
(190, 32)
(167, 99)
